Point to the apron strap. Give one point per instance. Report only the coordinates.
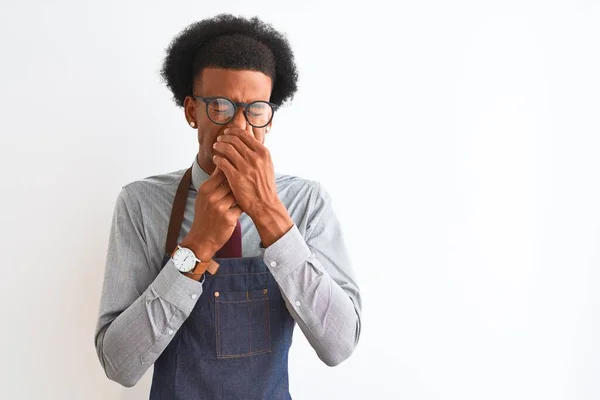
(177, 212)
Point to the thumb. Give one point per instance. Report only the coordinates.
(218, 176)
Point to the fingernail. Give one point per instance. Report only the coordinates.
(214, 145)
(226, 130)
(219, 138)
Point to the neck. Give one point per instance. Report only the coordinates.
(206, 165)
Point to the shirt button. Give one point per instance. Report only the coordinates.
(273, 263)
(194, 296)
(298, 304)
(170, 331)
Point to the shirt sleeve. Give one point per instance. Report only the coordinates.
(141, 307)
(318, 283)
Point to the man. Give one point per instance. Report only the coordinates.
(249, 252)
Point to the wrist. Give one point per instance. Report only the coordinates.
(202, 249)
(273, 223)
(270, 212)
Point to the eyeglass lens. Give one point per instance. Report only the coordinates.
(221, 111)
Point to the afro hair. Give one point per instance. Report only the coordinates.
(230, 42)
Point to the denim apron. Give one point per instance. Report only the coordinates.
(235, 343)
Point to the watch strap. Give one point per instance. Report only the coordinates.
(210, 266)
(201, 266)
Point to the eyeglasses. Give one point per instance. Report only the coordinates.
(221, 111)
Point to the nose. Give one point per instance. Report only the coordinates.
(239, 120)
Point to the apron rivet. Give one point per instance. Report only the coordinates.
(265, 291)
(216, 294)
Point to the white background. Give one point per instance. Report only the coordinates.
(459, 141)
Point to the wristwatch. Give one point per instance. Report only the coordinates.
(186, 261)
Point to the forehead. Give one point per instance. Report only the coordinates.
(238, 85)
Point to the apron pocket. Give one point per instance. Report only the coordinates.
(242, 322)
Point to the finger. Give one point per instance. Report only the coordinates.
(236, 211)
(216, 178)
(217, 172)
(238, 145)
(224, 164)
(245, 143)
(244, 136)
(228, 201)
(222, 191)
(234, 152)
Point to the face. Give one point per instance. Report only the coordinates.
(240, 86)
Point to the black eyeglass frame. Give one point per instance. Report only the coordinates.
(207, 100)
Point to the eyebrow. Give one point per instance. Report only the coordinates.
(229, 98)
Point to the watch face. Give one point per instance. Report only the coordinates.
(184, 259)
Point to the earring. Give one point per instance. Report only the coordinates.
(268, 129)
(192, 124)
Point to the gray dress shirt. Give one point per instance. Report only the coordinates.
(143, 304)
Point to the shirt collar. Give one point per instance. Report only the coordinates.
(198, 174)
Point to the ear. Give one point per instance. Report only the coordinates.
(189, 109)
(268, 127)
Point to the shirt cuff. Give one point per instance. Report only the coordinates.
(176, 288)
(288, 253)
